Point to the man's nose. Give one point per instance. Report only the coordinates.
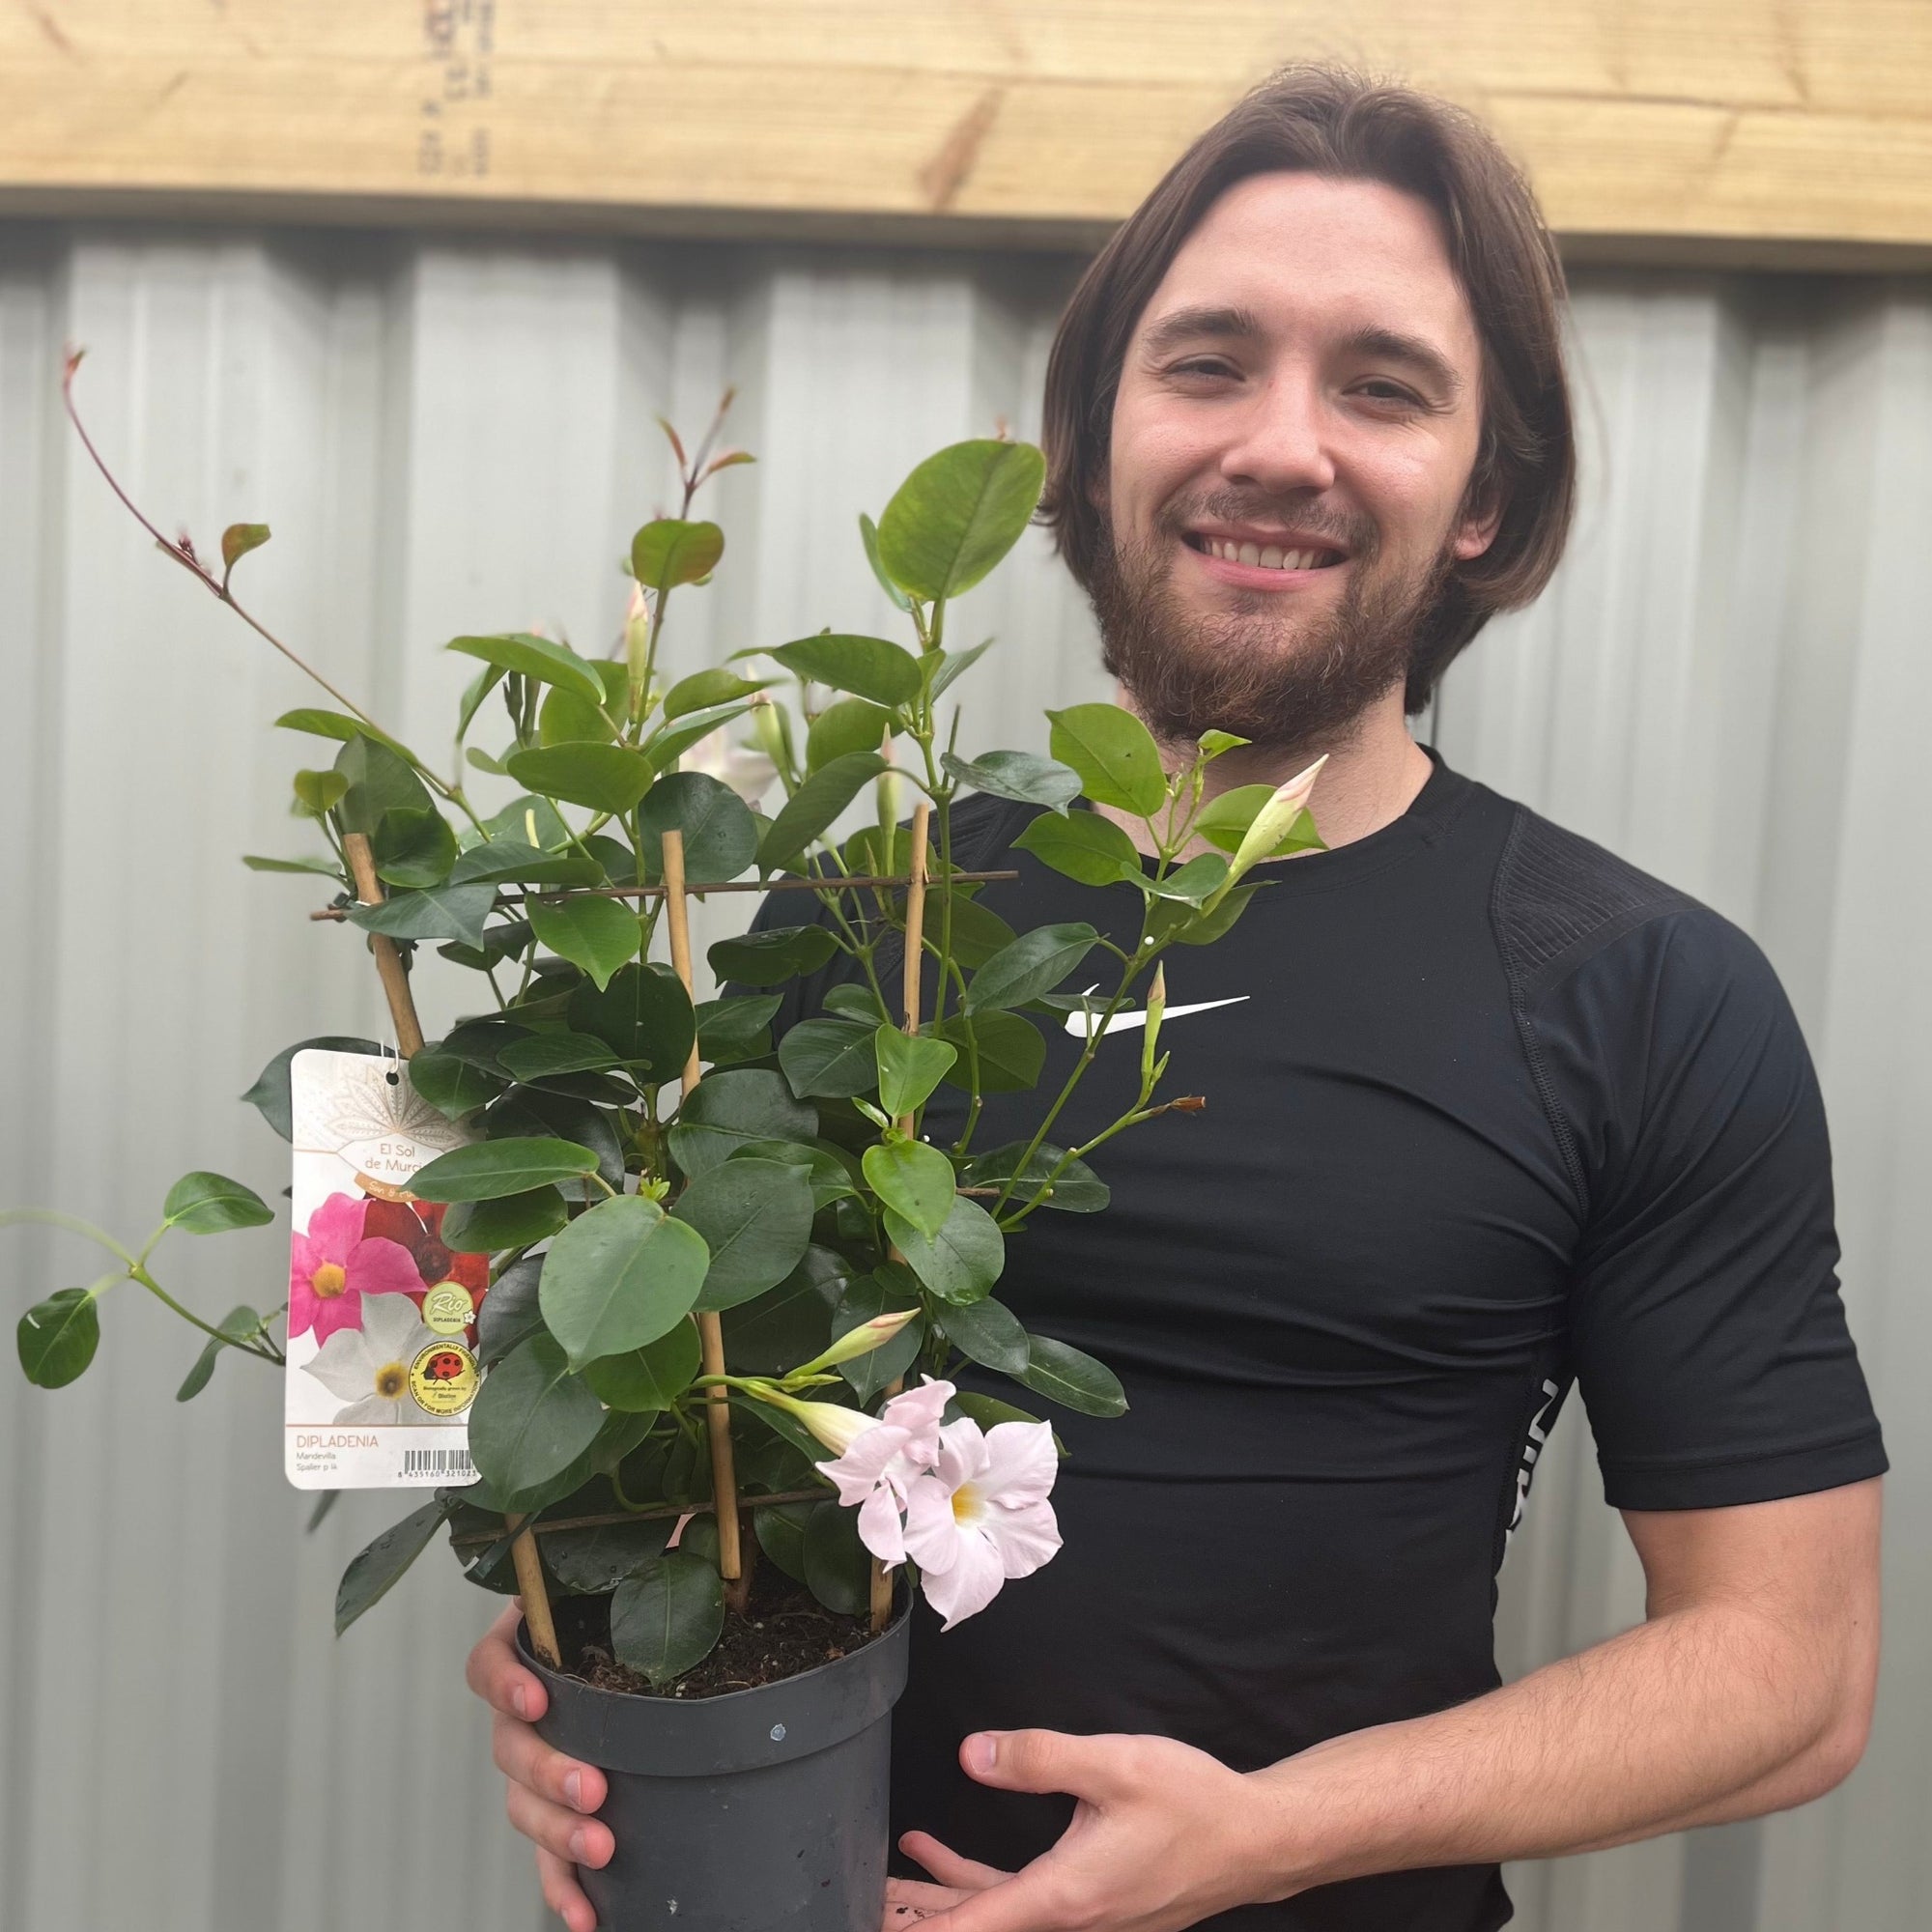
(1280, 442)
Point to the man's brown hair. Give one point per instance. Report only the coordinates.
(1327, 121)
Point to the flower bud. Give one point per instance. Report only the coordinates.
(857, 1342)
(833, 1423)
(1274, 821)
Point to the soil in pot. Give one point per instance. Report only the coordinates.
(782, 1631)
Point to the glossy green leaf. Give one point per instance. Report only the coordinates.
(1191, 883)
(721, 835)
(544, 1053)
(318, 723)
(532, 1420)
(704, 689)
(963, 1261)
(780, 1534)
(269, 1095)
(380, 781)
(774, 1333)
(865, 1298)
(941, 667)
(373, 1571)
(855, 1001)
(1024, 775)
(1224, 821)
(593, 1562)
(756, 1218)
(536, 658)
(606, 778)
(910, 1067)
(874, 668)
(211, 1204)
(988, 1332)
(619, 1276)
(1002, 1053)
(643, 1016)
(319, 793)
(669, 551)
(868, 536)
(597, 934)
(667, 743)
(237, 1325)
(1034, 964)
(735, 1028)
(978, 932)
(828, 1059)
(838, 1567)
(825, 1167)
(914, 1183)
(412, 847)
(1115, 755)
(814, 805)
(1083, 845)
(1079, 1190)
(569, 717)
(443, 911)
(771, 957)
(650, 1378)
(1204, 929)
(748, 1103)
(1073, 1379)
(667, 1617)
(257, 862)
(509, 1313)
(475, 692)
(507, 860)
(536, 1111)
(852, 725)
(510, 1221)
(57, 1338)
(490, 1170)
(959, 514)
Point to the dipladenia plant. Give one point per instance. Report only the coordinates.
(608, 1199)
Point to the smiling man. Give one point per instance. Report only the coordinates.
(1491, 1114)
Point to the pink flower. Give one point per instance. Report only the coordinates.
(332, 1267)
(881, 1463)
(979, 1515)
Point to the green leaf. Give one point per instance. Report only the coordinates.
(771, 957)
(1009, 1052)
(669, 551)
(731, 1029)
(503, 859)
(452, 1086)
(1034, 964)
(650, 1378)
(978, 933)
(269, 1095)
(910, 1067)
(509, 1314)
(667, 1618)
(941, 667)
(704, 689)
(413, 847)
(1204, 929)
(824, 1166)
(988, 1332)
(238, 1324)
(914, 1181)
(963, 1261)
(828, 1059)
(1224, 821)
(443, 911)
(239, 539)
(772, 1334)
(868, 535)
(339, 725)
(959, 514)
(568, 718)
(1191, 883)
(532, 1420)
(536, 658)
(381, 779)
(643, 1016)
(668, 742)
(1083, 845)
(989, 1411)
(57, 1338)
(1115, 755)
(490, 1170)
(509, 1221)
(256, 861)
(620, 1276)
(543, 1055)
(814, 805)
(597, 934)
(838, 1567)
(780, 1534)
(721, 835)
(853, 1001)
(319, 793)
(211, 1204)
(852, 725)
(1024, 775)
(375, 1569)
(1074, 1379)
(1213, 742)
(593, 1562)
(864, 1299)
(874, 668)
(606, 778)
(756, 1217)
(748, 1103)
(475, 692)
(1077, 1191)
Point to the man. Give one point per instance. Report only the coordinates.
(1490, 1112)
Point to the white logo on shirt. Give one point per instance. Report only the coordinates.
(1084, 1026)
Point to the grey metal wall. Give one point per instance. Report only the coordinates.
(1727, 684)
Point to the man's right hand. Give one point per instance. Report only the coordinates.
(551, 1797)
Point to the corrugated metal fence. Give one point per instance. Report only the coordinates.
(1727, 684)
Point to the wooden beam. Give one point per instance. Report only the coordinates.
(1701, 129)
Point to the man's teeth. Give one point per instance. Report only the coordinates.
(1270, 556)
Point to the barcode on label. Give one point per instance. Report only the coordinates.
(438, 1461)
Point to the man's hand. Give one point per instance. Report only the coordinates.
(1163, 1837)
(551, 1796)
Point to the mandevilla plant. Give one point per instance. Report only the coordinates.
(641, 1169)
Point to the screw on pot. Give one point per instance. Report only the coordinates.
(778, 1734)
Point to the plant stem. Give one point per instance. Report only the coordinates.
(138, 1274)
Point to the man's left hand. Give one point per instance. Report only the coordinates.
(1163, 1837)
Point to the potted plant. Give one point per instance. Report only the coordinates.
(660, 1298)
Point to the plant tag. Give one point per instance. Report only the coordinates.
(381, 1350)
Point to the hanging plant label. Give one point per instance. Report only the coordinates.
(382, 1349)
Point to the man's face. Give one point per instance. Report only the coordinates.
(1298, 418)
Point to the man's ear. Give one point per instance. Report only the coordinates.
(1477, 529)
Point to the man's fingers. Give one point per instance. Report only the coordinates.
(1046, 1761)
(908, 1901)
(947, 1865)
(1029, 1902)
(497, 1676)
(524, 1758)
(559, 1830)
(562, 1894)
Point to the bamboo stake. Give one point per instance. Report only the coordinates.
(881, 1599)
(710, 1331)
(395, 978)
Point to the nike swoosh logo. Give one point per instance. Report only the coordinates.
(1083, 1026)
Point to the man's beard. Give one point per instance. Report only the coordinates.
(1255, 672)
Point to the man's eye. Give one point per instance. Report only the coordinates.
(1201, 366)
(1380, 389)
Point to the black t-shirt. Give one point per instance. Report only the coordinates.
(1492, 1112)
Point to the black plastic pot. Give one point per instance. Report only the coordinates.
(761, 1810)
